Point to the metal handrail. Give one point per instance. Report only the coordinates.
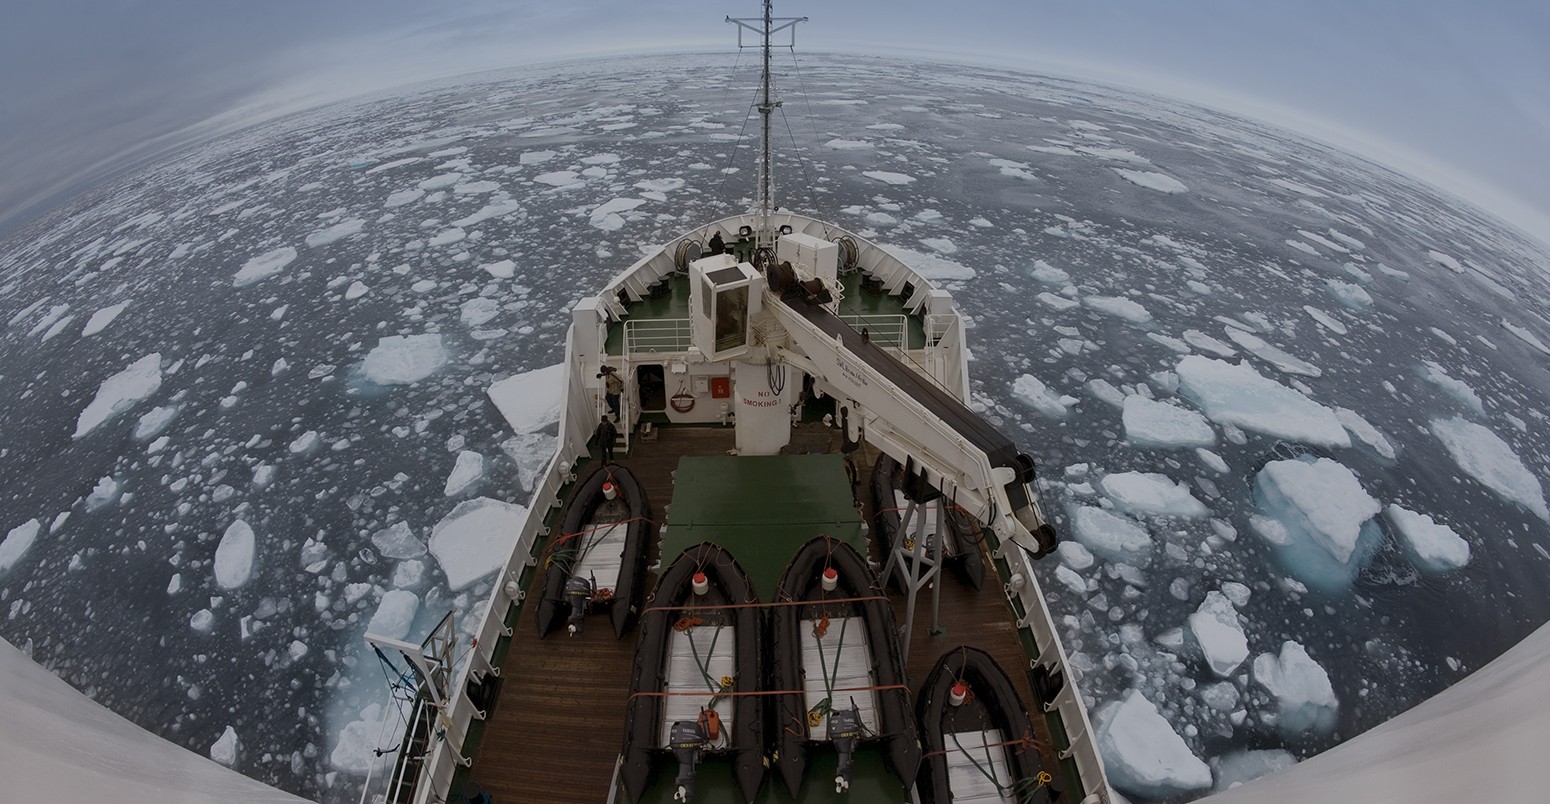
(656, 335)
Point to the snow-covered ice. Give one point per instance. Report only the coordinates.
(888, 178)
(153, 422)
(1110, 536)
(335, 233)
(264, 266)
(1429, 544)
(121, 392)
(234, 556)
(398, 541)
(100, 320)
(1149, 423)
(1151, 494)
(1241, 767)
(1527, 337)
(404, 359)
(395, 614)
(1365, 432)
(104, 493)
(1240, 396)
(224, 750)
(1119, 307)
(475, 539)
(1219, 634)
(465, 473)
(1484, 456)
(17, 542)
(1456, 388)
(1143, 754)
(1301, 687)
(530, 401)
(1030, 391)
(1152, 180)
(1326, 533)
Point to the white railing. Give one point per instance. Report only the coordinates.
(885, 330)
(656, 336)
(939, 326)
(1083, 748)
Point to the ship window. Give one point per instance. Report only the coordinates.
(731, 318)
(707, 297)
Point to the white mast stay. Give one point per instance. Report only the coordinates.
(765, 27)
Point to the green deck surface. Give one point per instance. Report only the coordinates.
(761, 509)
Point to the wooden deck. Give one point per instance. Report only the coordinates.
(555, 732)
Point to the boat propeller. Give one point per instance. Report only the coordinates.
(687, 740)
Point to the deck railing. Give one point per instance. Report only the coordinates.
(656, 336)
(885, 330)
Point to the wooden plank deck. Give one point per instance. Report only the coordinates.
(555, 732)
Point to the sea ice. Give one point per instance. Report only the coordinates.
(1242, 767)
(335, 233)
(1365, 432)
(1240, 396)
(1430, 545)
(104, 493)
(395, 614)
(1219, 634)
(264, 266)
(1484, 456)
(932, 266)
(1324, 531)
(1110, 536)
(1526, 336)
(502, 269)
(465, 473)
(356, 290)
(478, 312)
(1325, 320)
(1151, 494)
(531, 452)
(1352, 296)
(398, 541)
(225, 748)
(530, 401)
(234, 556)
(1458, 389)
(121, 392)
(404, 359)
(153, 422)
(1143, 754)
(1149, 423)
(1274, 355)
(403, 197)
(304, 442)
(355, 750)
(888, 178)
(447, 237)
(1119, 307)
(1152, 180)
(1301, 686)
(1028, 390)
(100, 320)
(1212, 461)
(17, 542)
(440, 182)
(1049, 274)
(475, 539)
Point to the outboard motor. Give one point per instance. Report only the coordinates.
(687, 741)
(578, 591)
(844, 729)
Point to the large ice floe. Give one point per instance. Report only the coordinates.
(1143, 754)
(475, 538)
(234, 556)
(1151, 494)
(1236, 394)
(1484, 456)
(404, 359)
(1149, 423)
(1031, 391)
(1319, 518)
(264, 266)
(17, 542)
(1301, 688)
(1110, 536)
(531, 400)
(121, 392)
(395, 614)
(1429, 544)
(1217, 633)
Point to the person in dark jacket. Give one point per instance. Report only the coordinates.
(613, 388)
(717, 245)
(606, 435)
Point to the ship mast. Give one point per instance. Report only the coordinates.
(766, 26)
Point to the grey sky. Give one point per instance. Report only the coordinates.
(1452, 91)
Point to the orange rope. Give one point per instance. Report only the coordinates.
(565, 537)
(1023, 742)
(762, 605)
(768, 692)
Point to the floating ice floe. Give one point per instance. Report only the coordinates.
(395, 614)
(607, 216)
(1240, 396)
(530, 401)
(1111, 537)
(1429, 544)
(1325, 320)
(398, 541)
(356, 290)
(1526, 336)
(1149, 423)
(475, 538)
(1028, 390)
(1049, 274)
(931, 266)
(501, 269)
(1143, 754)
(1484, 456)
(531, 452)
(100, 320)
(234, 556)
(1242, 767)
(1151, 494)
(847, 145)
(1458, 389)
(1352, 296)
(1119, 307)
(121, 392)
(403, 197)
(888, 178)
(225, 748)
(153, 422)
(1301, 687)
(1274, 355)
(465, 473)
(1219, 635)
(404, 359)
(335, 233)
(1365, 432)
(447, 237)
(1445, 260)
(264, 266)
(1319, 518)
(478, 312)
(440, 182)
(1152, 180)
(104, 493)
(17, 542)
(355, 749)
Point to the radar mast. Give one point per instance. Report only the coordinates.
(765, 27)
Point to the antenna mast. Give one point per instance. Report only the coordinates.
(765, 27)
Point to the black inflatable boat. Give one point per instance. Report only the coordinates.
(599, 558)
